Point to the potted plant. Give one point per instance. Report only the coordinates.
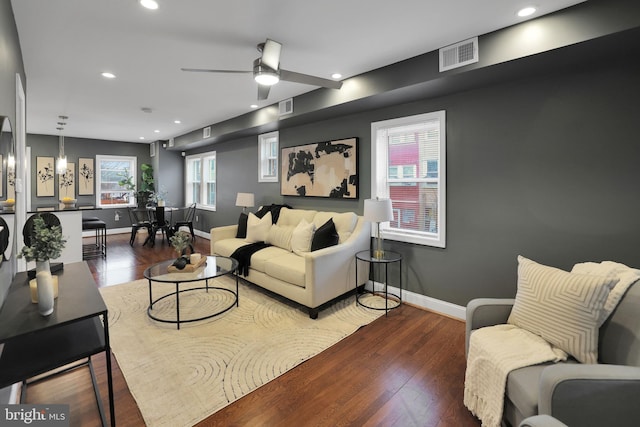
(180, 241)
(126, 181)
(46, 243)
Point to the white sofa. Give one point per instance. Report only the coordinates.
(308, 278)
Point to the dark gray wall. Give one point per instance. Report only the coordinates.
(545, 166)
(169, 174)
(10, 64)
(74, 148)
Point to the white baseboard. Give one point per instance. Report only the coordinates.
(432, 304)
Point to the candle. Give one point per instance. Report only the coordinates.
(33, 285)
(195, 258)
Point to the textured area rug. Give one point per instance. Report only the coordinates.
(179, 377)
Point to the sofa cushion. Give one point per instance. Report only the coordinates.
(280, 236)
(242, 226)
(294, 216)
(302, 236)
(258, 228)
(226, 247)
(344, 222)
(325, 236)
(260, 258)
(289, 268)
(563, 308)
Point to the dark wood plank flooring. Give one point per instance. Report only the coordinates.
(406, 369)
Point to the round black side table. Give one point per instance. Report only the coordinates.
(387, 258)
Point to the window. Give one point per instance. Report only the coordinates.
(408, 166)
(268, 161)
(201, 180)
(115, 181)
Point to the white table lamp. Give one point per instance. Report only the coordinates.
(246, 200)
(378, 210)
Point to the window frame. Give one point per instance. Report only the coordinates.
(204, 180)
(380, 181)
(264, 141)
(98, 177)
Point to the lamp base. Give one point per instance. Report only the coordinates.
(378, 254)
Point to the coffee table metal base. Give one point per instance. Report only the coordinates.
(177, 293)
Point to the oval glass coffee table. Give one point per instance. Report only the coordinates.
(215, 266)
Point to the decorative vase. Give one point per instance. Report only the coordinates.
(44, 280)
(180, 263)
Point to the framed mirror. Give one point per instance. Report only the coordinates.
(7, 189)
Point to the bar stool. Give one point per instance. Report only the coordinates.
(99, 248)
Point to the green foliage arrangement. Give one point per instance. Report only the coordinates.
(127, 181)
(180, 241)
(46, 243)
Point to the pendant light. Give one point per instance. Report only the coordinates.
(61, 163)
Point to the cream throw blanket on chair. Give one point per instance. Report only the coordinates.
(494, 351)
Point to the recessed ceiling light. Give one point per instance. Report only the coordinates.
(149, 4)
(108, 75)
(254, 106)
(177, 122)
(156, 131)
(526, 11)
(142, 137)
(336, 75)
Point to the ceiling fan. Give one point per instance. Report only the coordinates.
(267, 72)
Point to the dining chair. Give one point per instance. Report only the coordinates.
(187, 221)
(139, 219)
(159, 223)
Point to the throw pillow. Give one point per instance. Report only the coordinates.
(563, 308)
(242, 226)
(301, 237)
(325, 236)
(258, 228)
(280, 236)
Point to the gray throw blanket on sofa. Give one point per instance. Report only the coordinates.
(243, 256)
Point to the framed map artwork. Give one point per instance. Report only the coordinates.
(322, 169)
(45, 174)
(85, 177)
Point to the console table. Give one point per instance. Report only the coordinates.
(78, 329)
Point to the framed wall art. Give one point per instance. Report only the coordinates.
(322, 169)
(45, 173)
(67, 183)
(85, 177)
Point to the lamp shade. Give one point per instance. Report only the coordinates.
(378, 210)
(245, 200)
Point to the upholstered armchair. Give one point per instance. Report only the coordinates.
(577, 394)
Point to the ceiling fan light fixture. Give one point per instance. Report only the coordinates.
(267, 78)
(263, 74)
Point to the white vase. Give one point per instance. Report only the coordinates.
(45, 288)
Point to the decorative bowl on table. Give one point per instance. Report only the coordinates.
(68, 201)
(8, 204)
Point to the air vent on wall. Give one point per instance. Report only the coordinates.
(286, 106)
(459, 54)
(206, 132)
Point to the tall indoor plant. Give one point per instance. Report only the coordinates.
(46, 243)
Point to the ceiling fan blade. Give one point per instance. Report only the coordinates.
(200, 70)
(292, 76)
(271, 54)
(263, 92)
